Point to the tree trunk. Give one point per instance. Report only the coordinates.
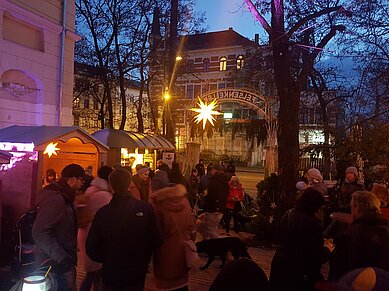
(289, 94)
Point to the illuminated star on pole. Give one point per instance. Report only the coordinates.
(51, 149)
(206, 112)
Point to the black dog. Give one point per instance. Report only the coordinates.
(219, 247)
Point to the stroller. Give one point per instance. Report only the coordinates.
(23, 243)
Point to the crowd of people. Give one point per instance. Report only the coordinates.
(122, 222)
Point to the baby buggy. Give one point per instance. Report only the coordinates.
(23, 243)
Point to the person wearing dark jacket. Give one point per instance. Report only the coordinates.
(218, 189)
(123, 236)
(298, 259)
(200, 168)
(349, 186)
(55, 227)
(366, 242)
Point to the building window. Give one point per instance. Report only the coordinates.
(76, 103)
(221, 85)
(190, 66)
(239, 62)
(189, 91)
(206, 63)
(95, 104)
(223, 64)
(86, 103)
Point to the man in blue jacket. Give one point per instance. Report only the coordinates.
(55, 227)
(123, 236)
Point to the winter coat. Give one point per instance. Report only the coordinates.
(218, 190)
(204, 182)
(95, 197)
(297, 261)
(139, 189)
(55, 227)
(364, 244)
(344, 196)
(123, 236)
(175, 214)
(234, 193)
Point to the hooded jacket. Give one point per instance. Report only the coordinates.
(175, 214)
(235, 192)
(95, 197)
(55, 227)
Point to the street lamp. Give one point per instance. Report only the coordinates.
(166, 96)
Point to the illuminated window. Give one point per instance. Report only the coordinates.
(239, 62)
(76, 103)
(206, 65)
(223, 64)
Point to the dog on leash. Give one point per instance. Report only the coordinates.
(219, 247)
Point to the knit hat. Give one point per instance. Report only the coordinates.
(142, 170)
(352, 170)
(314, 176)
(160, 180)
(73, 170)
(301, 185)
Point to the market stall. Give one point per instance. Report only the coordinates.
(132, 148)
(34, 150)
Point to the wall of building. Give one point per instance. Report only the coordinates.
(30, 50)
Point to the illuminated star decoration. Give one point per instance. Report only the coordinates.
(206, 112)
(51, 149)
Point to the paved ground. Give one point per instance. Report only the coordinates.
(201, 280)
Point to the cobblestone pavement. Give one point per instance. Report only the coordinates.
(200, 280)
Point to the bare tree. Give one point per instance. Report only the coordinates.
(288, 19)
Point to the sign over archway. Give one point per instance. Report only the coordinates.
(243, 96)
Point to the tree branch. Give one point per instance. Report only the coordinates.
(309, 17)
(258, 16)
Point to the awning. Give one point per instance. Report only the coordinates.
(41, 135)
(124, 139)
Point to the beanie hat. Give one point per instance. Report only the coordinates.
(142, 170)
(160, 180)
(314, 176)
(218, 167)
(352, 170)
(310, 201)
(73, 170)
(301, 186)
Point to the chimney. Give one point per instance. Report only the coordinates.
(230, 28)
(256, 38)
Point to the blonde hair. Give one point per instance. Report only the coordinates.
(367, 202)
(382, 193)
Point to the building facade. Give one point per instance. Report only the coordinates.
(209, 62)
(90, 104)
(36, 62)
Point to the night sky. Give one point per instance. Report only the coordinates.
(222, 14)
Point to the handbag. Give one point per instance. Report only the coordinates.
(190, 250)
(191, 256)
